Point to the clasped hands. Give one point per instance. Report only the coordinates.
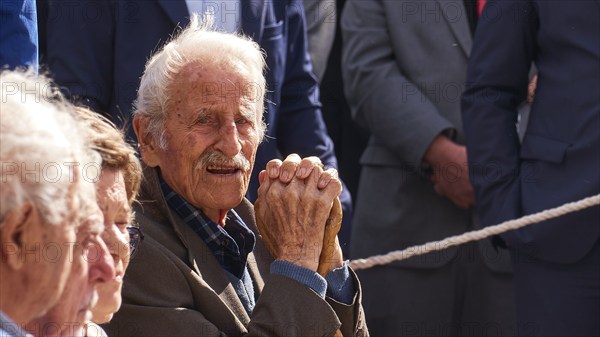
(299, 214)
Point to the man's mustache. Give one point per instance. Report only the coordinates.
(218, 159)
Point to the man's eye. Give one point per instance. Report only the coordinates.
(203, 120)
(241, 120)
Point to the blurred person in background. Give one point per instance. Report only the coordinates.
(91, 266)
(404, 66)
(349, 139)
(42, 188)
(116, 189)
(555, 262)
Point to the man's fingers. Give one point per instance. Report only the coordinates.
(292, 167)
(327, 176)
(289, 167)
(306, 166)
(313, 177)
(264, 186)
(261, 177)
(273, 167)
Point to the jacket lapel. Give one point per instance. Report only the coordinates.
(200, 257)
(253, 18)
(176, 11)
(453, 12)
(260, 259)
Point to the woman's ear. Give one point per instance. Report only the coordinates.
(146, 142)
(12, 237)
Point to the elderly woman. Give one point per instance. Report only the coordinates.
(116, 188)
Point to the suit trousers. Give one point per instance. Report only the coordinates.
(557, 299)
(462, 298)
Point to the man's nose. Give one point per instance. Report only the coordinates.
(102, 268)
(229, 141)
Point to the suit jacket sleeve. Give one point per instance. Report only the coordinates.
(289, 308)
(18, 34)
(300, 105)
(394, 110)
(80, 49)
(497, 82)
(300, 126)
(320, 26)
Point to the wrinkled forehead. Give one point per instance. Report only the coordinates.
(220, 70)
(210, 81)
(111, 192)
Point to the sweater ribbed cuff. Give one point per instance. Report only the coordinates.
(340, 284)
(300, 274)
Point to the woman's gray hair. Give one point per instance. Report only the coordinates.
(197, 43)
(43, 151)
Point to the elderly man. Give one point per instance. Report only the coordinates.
(203, 269)
(91, 277)
(91, 266)
(40, 193)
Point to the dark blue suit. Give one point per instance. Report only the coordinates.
(556, 262)
(18, 34)
(97, 50)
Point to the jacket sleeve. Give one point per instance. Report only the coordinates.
(382, 99)
(497, 82)
(18, 34)
(300, 125)
(352, 315)
(289, 308)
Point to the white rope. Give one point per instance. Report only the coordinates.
(474, 235)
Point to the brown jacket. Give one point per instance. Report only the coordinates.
(175, 287)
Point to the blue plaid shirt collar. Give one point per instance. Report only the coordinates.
(230, 244)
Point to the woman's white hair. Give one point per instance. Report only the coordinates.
(200, 44)
(43, 150)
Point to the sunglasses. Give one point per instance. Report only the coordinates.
(135, 239)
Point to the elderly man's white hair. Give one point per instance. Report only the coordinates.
(42, 149)
(197, 43)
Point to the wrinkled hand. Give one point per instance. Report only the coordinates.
(450, 172)
(299, 214)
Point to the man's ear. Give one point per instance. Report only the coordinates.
(146, 142)
(15, 223)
